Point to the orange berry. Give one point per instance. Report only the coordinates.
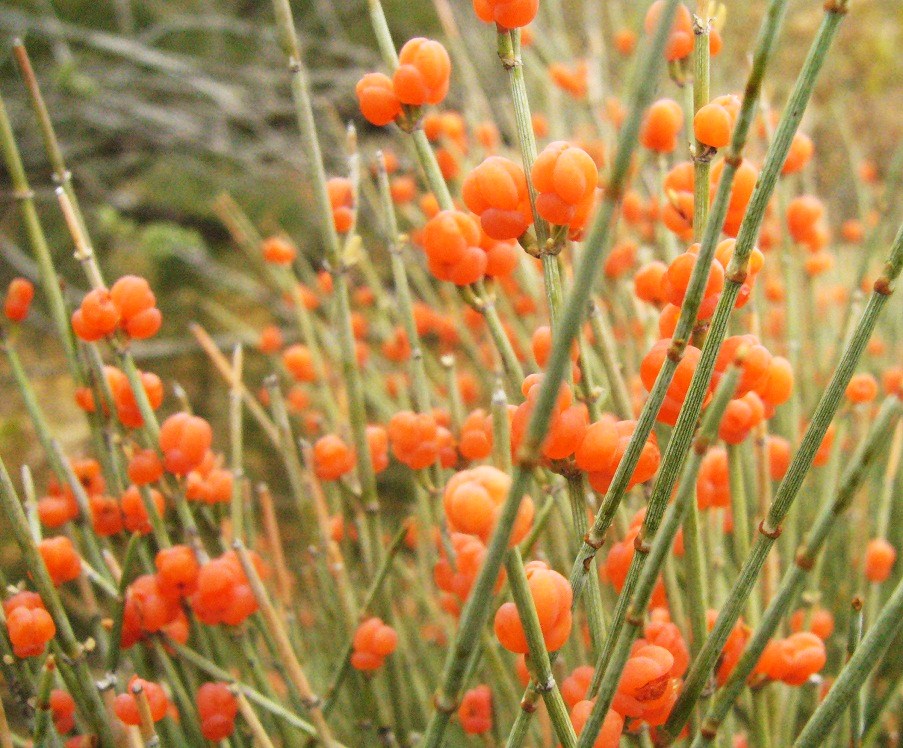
(552, 596)
(806, 657)
(184, 440)
(299, 361)
(377, 99)
(822, 623)
(29, 626)
(778, 456)
(572, 79)
(803, 213)
(661, 124)
(125, 705)
(625, 41)
(647, 282)
(712, 483)
(373, 642)
(217, 708)
(451, 240)
(134, 511)
(341, 198)
(475, 712)
(177, 571)
(61, 559)
(680, 39)
(509, 14)
(496, 191)
(880, 556)
(332, 457)
(270, 339)
(473, 499)
(610, 733)
(862, 388)
(646, 678)
(565, 176)
(778, 385)
(18, 299)
(97, 316)
(712, 125)
(423, 73)
(800, 153)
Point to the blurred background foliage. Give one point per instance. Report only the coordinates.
(163, 105)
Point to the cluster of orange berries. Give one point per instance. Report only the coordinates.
(124, 401)
(422, 77)
(129, 305)
(372, 643)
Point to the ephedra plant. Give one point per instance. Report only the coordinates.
(589, 413)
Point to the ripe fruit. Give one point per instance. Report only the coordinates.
(565, 176)
(451, 240)
(61, 559)
(552, 596)
(217, 709)
(177, 571)
(646, 687)
(800, 153)
(18, 299)
(680, 39)
(62, 705)
(475, 711)
(509, 14)
(680, 382)
(862, 388)
(28, 624)
(377, 99)
(415, 438)
(661, 124)
(139, 316)
(126, 705)
(880, 556)
(567, 423)
(576, 685)
(332, 457)
(184, 440)
(602, 448)
(612, 727)
(97, 316)
(469, 553)
(712, 125)
(423, 73)
(373, 642)
(144, 467)
(803, 215)
(277, 250)
(341, 198)
(473, 499)
(496, 191)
